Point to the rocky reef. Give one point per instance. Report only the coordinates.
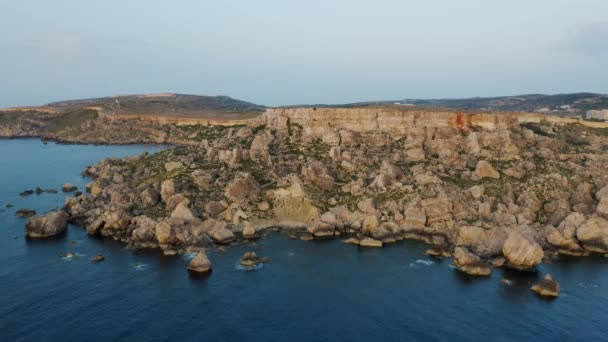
(492, 189)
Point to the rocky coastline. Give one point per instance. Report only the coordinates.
(510, 194)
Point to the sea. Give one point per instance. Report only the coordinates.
(308, 291)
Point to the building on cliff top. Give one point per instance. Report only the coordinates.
(601, 114)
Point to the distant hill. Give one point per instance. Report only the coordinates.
(562, 104)
(177, 105)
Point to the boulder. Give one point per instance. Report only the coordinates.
(438, 251)
(369, 242)
(593, 234)
(149, 196)
(48, 225)
(522, 252)
(218, 231)
(183, 212)
(167, 189)
(170, 166)
(250, 259)
(243, 187)
(24, 212)
(602, 207)
(470, 263)
(259, 148)
(68, 187)
(200, 263)
(316, 173)
(249, 231)
(437, 210)
(483, 242)
(485, 170)
(547, 287)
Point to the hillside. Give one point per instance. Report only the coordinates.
(561, 104)
(171, 105)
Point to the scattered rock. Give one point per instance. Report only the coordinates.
(470, 263)
(547, 287)
(97, 258)
(26, 193)
(369, 242)
(68, 187)
(250, 259)
(486, 170)
(200, 263)
(24, 212)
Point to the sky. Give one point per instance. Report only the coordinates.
(285, 52)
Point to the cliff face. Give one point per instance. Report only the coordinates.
(397, 122)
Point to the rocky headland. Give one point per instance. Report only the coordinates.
(491, 189)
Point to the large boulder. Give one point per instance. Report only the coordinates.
(593, 234)
(316, 173)
(485, 170)
(483, 242)
(243, 187)
(48, 225)
(218, 232)
(260, 148)
(183, 212)
(437, 210)
(200, 263)
(469, 263)
(522, 252)
(547, 287)
(167, 189)
(389, 173)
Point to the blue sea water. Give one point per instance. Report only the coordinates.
(310, 291)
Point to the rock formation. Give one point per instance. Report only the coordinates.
(48, 225)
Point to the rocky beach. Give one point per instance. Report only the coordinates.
(488, 189)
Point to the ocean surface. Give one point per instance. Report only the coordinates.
(310, 291)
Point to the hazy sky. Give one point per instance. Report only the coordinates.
(279, 52)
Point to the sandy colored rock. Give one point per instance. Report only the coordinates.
(547, 287)
(470, 263)
(369, 242)
(200, 263)
(593, 235)
(244, 187)
(522, 252)
(47, 225)
(486, 170)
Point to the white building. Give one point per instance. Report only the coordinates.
(601, 114)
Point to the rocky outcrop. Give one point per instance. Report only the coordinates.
(250, 259)
(547, 287)
(522, 252)
(593, 234)
(200, 263)
(48, 225)
(470, 263)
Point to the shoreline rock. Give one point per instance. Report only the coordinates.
(547, 287)
(48, 225)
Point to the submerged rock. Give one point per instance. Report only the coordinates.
(98, 258)
(547, 287)
(24, 212)
(200, 263)
(48, 225)
(470, 263)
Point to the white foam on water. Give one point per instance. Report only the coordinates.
(425, 262)
(139, 266)
(452, 266)
(291, 253)
(239, 267)
(588, 285)
(188, 256)
(71, 256)
(507, 282)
